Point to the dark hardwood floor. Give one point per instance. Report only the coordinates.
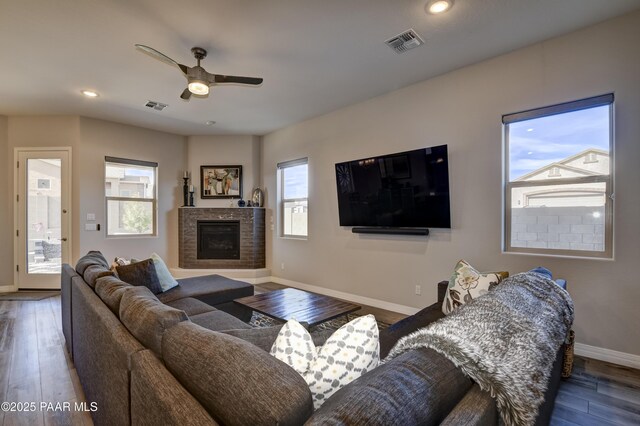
(598, 393)
(35, 367)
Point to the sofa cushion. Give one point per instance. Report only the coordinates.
(157, 398)
(110, 289)
(167, 282)
(211, 289)
(218, 321)
(264, 337)
(141, 273)
(235, 381)
(466, 284)
(147, 318)
(191, 306)
(93, 272)
(390, 335)
(92, 258)
(418, 387)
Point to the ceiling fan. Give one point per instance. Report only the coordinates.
(199, 80)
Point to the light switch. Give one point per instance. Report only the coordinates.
(91, 216)
(91, 227)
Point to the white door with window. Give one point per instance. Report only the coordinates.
(43, 219)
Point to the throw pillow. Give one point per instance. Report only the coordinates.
(350, 352)
(294, 347)
(141, 273)
(164, 276)
(467, 284)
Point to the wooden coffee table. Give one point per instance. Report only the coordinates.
(291, 303)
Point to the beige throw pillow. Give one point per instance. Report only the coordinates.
(466, 284)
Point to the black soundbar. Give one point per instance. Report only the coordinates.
(395, 231)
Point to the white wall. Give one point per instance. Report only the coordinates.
(463, 109)
(103, 138)
(236, 150)
(90, 141)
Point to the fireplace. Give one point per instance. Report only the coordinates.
(218, 239)
(221, 238)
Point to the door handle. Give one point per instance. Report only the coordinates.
(63, 239)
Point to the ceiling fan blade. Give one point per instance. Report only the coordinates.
(159, 56)
(221, 79)
(186, 95)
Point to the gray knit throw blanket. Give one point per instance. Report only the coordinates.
(506, 341)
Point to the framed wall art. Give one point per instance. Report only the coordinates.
(220, 181)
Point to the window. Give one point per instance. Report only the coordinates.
(558, 174)
(130, 190)
(294, 198)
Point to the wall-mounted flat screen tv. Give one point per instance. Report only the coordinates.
(406, 189)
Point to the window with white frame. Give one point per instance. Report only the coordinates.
(294, 198)
(559, 179)
(131, 196)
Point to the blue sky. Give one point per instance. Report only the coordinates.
(539, 142)
(296, 182)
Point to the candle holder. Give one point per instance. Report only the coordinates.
(185, 192)
(191, 199)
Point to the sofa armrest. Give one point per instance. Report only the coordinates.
(442, 291)
(404, 327)
(475, 408)
(419, 387)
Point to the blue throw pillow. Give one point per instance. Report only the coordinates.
(164, 276)
(542, 271)
(547, 273)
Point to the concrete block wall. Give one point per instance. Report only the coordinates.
(567, 228)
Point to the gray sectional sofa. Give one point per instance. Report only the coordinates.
(176, 359)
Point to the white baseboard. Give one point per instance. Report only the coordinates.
(607, 355)
(7, 289)
(394, 307)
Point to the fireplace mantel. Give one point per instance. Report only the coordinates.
(252, 230)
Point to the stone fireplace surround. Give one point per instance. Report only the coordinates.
(252, 237)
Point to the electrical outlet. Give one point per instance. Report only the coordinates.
(418, 290)
(282, 266)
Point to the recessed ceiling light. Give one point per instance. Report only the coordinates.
(90, 93)
(529, 130)
(210, 123)
(439, 6)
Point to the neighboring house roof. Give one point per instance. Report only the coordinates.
(562, 164)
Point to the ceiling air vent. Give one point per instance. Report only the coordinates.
(156, 105)
(405, 41)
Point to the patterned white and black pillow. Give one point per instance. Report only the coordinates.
(350, 352)
(294, 347)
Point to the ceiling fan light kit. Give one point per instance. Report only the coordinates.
(198, 87)
(198, 79)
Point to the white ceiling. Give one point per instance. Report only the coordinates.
(314, 56)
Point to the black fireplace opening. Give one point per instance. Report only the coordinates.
(218, 239)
